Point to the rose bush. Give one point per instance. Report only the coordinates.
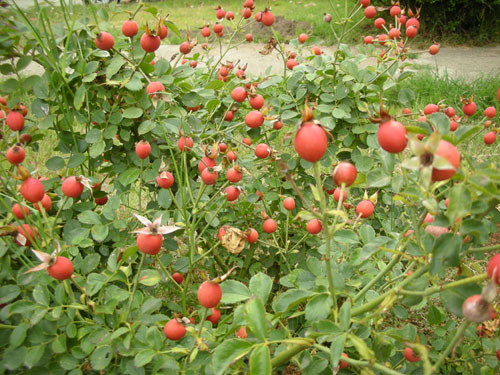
(164, 204)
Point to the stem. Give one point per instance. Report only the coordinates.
(483, 249)
(248, 260)
(58, 213)
(460, 332)
(166, 272)
(326, 229)
(439, 288)
(134, 288)
(392, 263)
(285, 356)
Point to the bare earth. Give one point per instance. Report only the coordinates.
(457, 61)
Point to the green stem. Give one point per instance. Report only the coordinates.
(439, 288)
(166, 272)
(326, 231)
(484, 249)
(136, 281)
(367, 287)
(248, 260)
(458, 335)
(285, 356)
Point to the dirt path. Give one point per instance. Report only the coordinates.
(457, 61)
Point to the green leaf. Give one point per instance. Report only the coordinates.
(345, 315)
(406, 97)
(261, 285)
(255, 315)
(79, 97)
(434, 315)
(191, 99)
(228, 352)
(41, 295)
(164, 198)
(114, 66)
(460, 203)
(146, 127)
(260, 361)
(144, 357)
(9, 293)
(291, 297)
(129, 176)
(149, 277)
(346, 236)
(55, 163)
(101, 357)
(336, 349)
(453, 299)
(215, 85)
(440, 121)
(132, 112)
(34, 355)
(89, 217)
(95, 282)
(318, 307)
(362, 348)
(99, 232)
(234, 291)
(93, 135)
(18, 335)
(97, 149)
(76, 160)
(89, 263)
(445, 253)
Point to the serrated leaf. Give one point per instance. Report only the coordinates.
(55, 163)
(228, 352)
(41, 295)
(89, 217)
(146, 127)
(234, 291)
(101, 357)
(79, 97)
(336, 349)
(319, 307)
(97, 149)
(261, 285)
(144, 357)
(260, 361)
(345, 315)
(255, 315)
(132, 112)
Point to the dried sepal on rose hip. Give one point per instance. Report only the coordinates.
(477, 308)
(58, 267)
(150, 237)
(233, 240)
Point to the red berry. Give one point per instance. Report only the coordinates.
(217, 28)
(174, 330)
(28, 232)
(277, 125)
(247, 141)
(72, 187)
(229, 16)
(206, 162)
(469, 108)
(394, 33)
(155, 87)
(490, 112)
(291, 63)
(262, 151)
(364, 3)
(370, 12)
(214, 317)
(104, 41)
(395, 11)
(365, 209)
(453, 126)
(185, 143)
(209, 294)
(222, 147)
(15, 155)
(475, 309)
(229, 116)
(411, 32)
(239, 94)
(413, 22)
(410, 355)
(209, 177)
(32, 190)
(392, 136)
(143, 149)
(231, 156)
(101, 201)
(490, 138)
(149, 243)
(449, 152)
(177, 277)
(379, 23)
(185, 48)
(302, 38)
(15, 121)
(242, 334)
(252, 235)
(232, 193)
(289, 203)
(130, 28)
(345, 173)
(310, 142)
(20, 211)
(246, 13)
(368, 39)
(316, 51)
(163, 32)
(25, 138)
(62, 269)
(498, 351)
(267, 18)
(205, 32)
(343, 364)
(165, 180)
(493, 268)
(254, 119)
(233, 175)
(256, 102)
(249, 37)
(336, 195)
(220, 13)
(269, 226)
(314, 226)
(450, 112)
(150, 43)
(434, 49)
